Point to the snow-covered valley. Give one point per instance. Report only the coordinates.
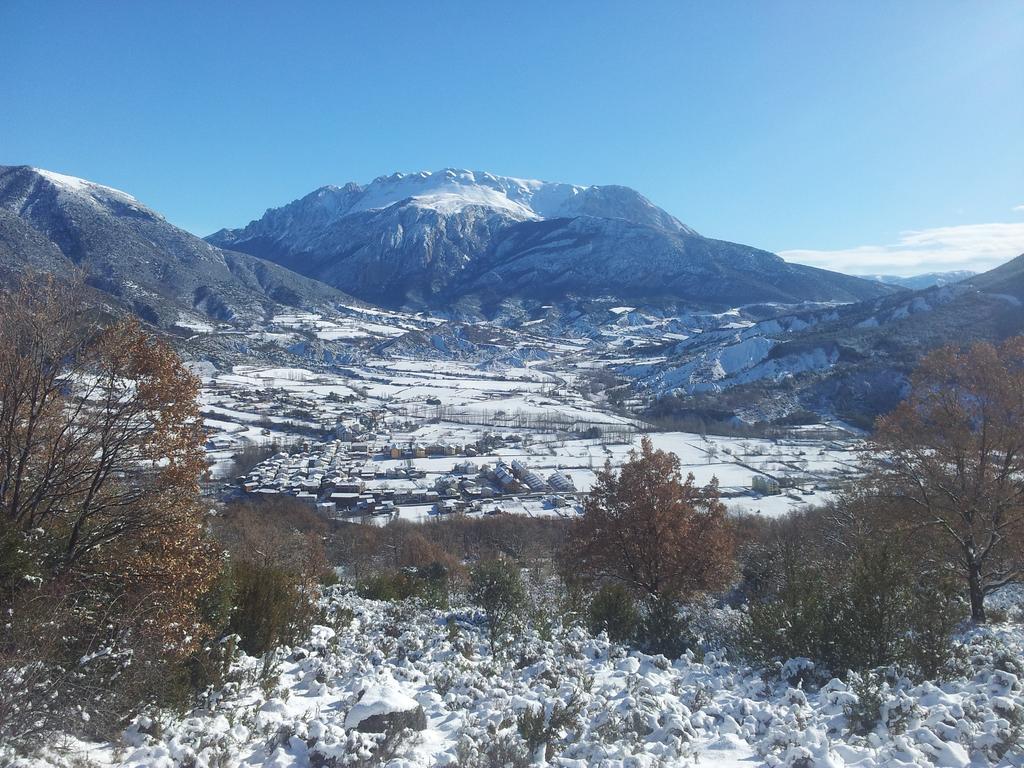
(397, 406)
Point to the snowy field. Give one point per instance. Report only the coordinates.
(630, 710)
(732, 461)
(406, 402)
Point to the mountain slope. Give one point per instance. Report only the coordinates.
(438, 239)
(851, 361)
(54, 223)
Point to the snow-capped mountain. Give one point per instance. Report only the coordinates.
(56, 223)
(438, 239)
(450, 192)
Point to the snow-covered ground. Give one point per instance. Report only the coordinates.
(626, 708)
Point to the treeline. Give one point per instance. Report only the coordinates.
(547, 420)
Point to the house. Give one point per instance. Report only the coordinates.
(344, 500)
(532, 480)
(503, 475)
(350, 485)
(446, 507)
(345, 431)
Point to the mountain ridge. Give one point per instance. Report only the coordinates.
(61, 223)
(851, 361)
(438, 239)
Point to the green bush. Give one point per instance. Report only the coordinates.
(663, 629)
(935, 610)
(497, 587)
(613, 610)
(870, 612)
(429, 583)
(538, 728)
(21, 560)
(271, 607)
(793, 619)
(878, 704)
(388, 586)
(207, 665)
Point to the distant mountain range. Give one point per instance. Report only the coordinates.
(926, 280)
(129, 253)
(472, 240)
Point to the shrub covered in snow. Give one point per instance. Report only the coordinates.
(571, 700)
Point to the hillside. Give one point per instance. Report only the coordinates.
(342, 696)
(850, 361)
(55, 223)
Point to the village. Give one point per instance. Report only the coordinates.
(373, 443)
(376, 480)
(342, 479)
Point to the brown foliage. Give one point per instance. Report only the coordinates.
(101, 449)
(280, 533)
(102, 535)
(950, 462)
(652, 531)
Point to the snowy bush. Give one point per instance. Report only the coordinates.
(572, 700)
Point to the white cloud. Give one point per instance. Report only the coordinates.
(1019, 208)
(977, 247)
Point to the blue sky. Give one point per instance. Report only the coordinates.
(867, 136)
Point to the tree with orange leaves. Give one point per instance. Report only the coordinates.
(950, 463)
(101, 451)
(652, 531)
